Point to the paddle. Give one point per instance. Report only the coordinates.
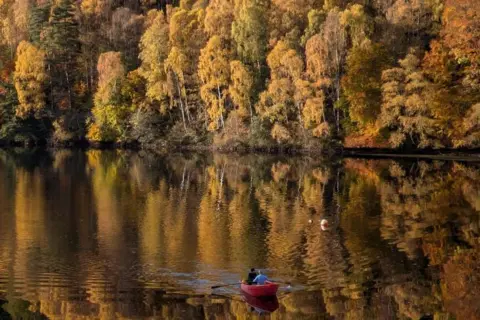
(289, 285)
(225, 285)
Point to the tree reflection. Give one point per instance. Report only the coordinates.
(119, 234)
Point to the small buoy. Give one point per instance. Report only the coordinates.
(324, 224)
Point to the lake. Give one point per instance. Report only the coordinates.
(122, 234)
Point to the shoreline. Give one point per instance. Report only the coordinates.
(461, 154)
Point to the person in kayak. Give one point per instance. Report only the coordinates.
(260, 279)
(251, 276)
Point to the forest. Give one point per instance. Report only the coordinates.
(305, 74)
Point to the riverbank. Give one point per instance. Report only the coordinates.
(434, 154)
(335, 149)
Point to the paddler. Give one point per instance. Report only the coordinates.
(251, 275)
(260, 279)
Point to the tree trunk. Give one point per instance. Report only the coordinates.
(251, 110)
(181, 102)
(220, 105)
(68, 87)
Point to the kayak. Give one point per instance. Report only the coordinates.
(264, 290)
(263, 304)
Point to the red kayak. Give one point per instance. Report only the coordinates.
(263, 290)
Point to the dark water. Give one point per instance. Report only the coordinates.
(117, 234)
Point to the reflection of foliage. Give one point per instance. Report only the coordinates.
(461, 285)
(414, 299)
(395, 228)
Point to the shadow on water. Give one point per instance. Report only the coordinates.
(19, 309)
(116, 233)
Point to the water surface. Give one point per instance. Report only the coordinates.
(120, 234)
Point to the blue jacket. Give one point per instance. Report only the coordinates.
(260, 279)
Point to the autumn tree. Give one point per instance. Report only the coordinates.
(187, 37)
(362, 81)
(154, 48)
(470, 128)
(214, 73)
(176, 67)
(405, 110)
(277, 103)
(123, 34)
(30, 79)
(452, 64)
(108, 113)
(325, 55)
(316, 17)
(310, 102)
(14, 15)
(241, 88)
(249, 32)
(358, 24)
(219, 16)
(286, 23)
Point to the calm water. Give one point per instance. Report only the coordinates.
(117, 234)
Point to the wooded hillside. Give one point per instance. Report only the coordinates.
(252, 73)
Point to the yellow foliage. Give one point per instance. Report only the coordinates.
(108, 112)
(285, 62)
(154, 48)
(30, 78)
(214, 72)
(280, 133)
(219, 18)
(241, 87)
(96, 7)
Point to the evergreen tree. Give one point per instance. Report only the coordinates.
(62, 47)
(38, 21)
(8, 103)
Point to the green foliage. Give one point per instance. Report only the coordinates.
(61, 36)
(249, 32)
(38, 21)
(8, 103)
(315, 20)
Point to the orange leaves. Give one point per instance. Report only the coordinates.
(461, 30)
(110, 72)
